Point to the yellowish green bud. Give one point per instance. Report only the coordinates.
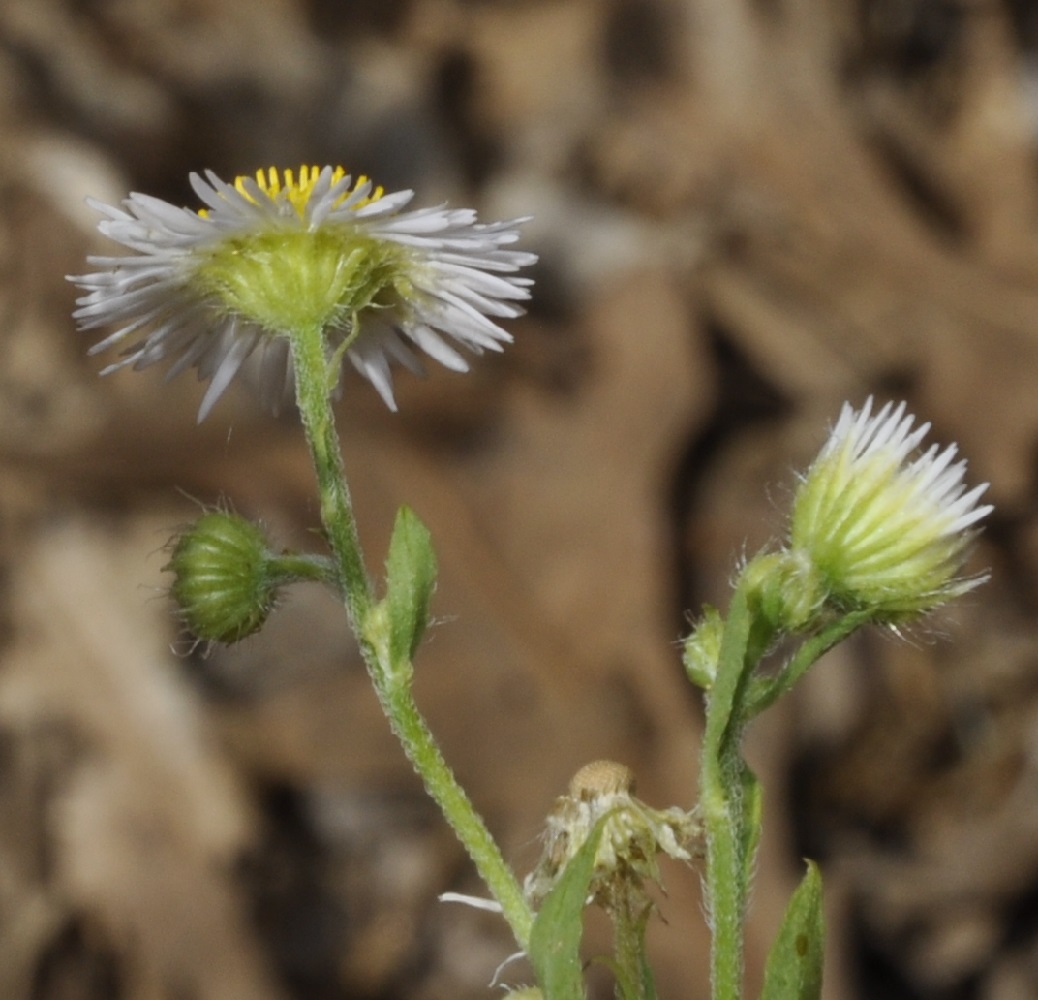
(885, 532)
(224, 582)
(703, 649)
(784, 589)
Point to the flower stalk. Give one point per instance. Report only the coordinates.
(310, 363)
(391, 680)
(630, 915)
(730, 805)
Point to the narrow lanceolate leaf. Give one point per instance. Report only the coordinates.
(557, 929)
(410, 581)
(794, 970)
(723, 717)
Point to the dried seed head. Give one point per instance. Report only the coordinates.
(601, 777)
(634, 834)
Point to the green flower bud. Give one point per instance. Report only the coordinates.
(224, 582)
(784, 589)
(703, 649)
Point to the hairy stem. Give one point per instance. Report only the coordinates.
(314, 379)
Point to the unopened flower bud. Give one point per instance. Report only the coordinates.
(784, 588)
(703, 649)
(223, 581)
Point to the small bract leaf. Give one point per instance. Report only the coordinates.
(557, 929)
(724, 719)
(410, 581)
(794, 969)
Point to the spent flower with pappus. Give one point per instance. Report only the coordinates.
(279, 253)
(878, 524)
(633, 836)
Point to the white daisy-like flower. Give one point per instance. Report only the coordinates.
(276, 253)
(882, 529)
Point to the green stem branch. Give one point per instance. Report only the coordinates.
(630, 913)
(297, 567)
(425, 755)
(313, 396)
(730, 803)
(727, 878)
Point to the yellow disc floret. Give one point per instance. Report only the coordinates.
(273, 182)
(277, 184)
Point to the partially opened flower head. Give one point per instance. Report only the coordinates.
(887, 527)
(268, 255)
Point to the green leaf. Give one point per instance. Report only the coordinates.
(723, 716)
(794, 969)
(558, 926)
(410, 581)
(750, 809)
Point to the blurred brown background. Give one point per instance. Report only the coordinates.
(747, 211)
